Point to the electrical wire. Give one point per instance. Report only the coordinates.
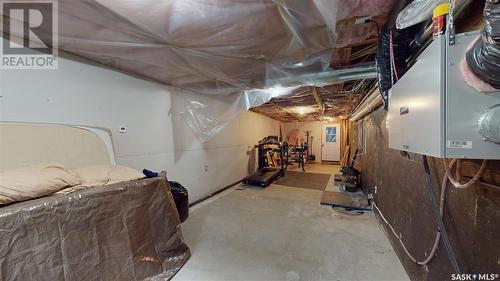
(355, 88)
(439, 220)
(369, 50)
(444, 185)
(439, 214)
(435, 245)
(412, 258)
(376, 24)
(393, 60)
(359, 86)
(456, 183)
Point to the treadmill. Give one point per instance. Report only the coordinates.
(267, 174)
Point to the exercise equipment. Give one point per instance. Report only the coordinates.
(309, 142)
(298, 154)
(271, 159)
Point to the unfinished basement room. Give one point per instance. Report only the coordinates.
(249, 140)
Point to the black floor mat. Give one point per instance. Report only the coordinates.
(304, 180)
(345, 199)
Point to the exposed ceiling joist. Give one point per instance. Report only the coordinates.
(319, 102)
(352, 73)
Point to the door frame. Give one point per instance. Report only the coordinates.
(339, 128)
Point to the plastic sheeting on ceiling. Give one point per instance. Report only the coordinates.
(209, 46)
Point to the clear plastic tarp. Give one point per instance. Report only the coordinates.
(207, 115)
(205, 46)
(222, 47)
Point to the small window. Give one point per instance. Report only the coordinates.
(331, 134)
(361, 136)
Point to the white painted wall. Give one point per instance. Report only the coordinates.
(156, 138)
(315, 128)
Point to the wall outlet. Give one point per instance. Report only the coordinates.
(122, 129)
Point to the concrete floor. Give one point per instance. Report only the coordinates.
(283, 233)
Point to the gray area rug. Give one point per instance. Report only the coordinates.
(304, 180)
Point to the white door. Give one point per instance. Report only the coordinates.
(330, 146)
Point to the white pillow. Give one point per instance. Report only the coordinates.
(106, 174)
(34, 181)
(121, 173)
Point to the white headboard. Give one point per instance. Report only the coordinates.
(25, 144)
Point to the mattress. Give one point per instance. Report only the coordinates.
(124, 231)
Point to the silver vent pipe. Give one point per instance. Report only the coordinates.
(426, 34)
(329, 77)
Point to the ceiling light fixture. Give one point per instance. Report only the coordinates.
(329, 119)
(302, 110)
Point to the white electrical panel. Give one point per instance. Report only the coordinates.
(432, 111)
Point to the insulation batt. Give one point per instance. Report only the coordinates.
(348, 33)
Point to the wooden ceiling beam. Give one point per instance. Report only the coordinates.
(318, 100)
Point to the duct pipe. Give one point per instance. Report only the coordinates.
(367, 105)
(332, 76)
(484, 56)
(426, 34)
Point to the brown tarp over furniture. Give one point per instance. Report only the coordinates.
(125, 231)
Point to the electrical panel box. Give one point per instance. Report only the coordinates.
(432, 111)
